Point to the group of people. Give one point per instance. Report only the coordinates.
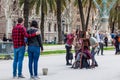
(34, 42)
(82, 43)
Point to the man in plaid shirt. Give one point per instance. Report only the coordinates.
(18, 35)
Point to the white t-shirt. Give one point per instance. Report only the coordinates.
(93, 41)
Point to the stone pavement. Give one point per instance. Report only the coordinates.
(108, 69)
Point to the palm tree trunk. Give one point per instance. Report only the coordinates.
(88, 16)
(111, 23)
(113, 27)
(26, 13)
(81, 14)
(58, 2)
(42, 22)
(119, 21)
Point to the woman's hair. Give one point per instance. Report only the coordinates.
(34, 24)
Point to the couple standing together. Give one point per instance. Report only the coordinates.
(34, 48)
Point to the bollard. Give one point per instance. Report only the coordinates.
(45, 71)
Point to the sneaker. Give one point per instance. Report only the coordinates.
(36, 78)
(68, 64)
(96, 65)
(14, 77)
(21, 76)
(32, 78)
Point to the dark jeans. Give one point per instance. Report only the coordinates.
(33, 55)
(106, 44)
(68, 49)
(117, 48)
(94, 62)
(101, 45)
(18, 60)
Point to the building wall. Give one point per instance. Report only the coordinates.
(11, 14)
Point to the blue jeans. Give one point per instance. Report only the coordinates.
(33, 55)
(18, 60)
(94, 62)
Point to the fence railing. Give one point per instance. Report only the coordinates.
(6, 49)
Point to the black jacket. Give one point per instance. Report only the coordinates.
(34, 41)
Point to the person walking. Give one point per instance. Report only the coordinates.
(4, 38)
(18, 35)
(34, 48)
(106, 41)
(68, 45)
(116, 44)
(94, 45)
(101, 43)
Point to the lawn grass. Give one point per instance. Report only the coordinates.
(60, 51)
(109, 48)
(52, 44)
(51, 52)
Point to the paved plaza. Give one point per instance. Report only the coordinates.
(109, 68)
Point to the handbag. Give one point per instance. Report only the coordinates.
(70, 56)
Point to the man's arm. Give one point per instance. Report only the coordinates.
(29, 35)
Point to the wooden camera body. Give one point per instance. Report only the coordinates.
(85, 40)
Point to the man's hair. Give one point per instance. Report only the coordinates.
(34, 24)
(20, 20)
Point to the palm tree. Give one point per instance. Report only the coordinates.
(81, 14)
(26, 11)
(38, 5)
(43, 4)
(58, 2)
(115, 16)
(61, 5)
(81, 4)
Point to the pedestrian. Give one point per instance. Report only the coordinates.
(116, 44)
(68, 45)
(106, 41)
(4, 37)
(94, 45)
(34, 48)
(101, 43)
(18, 35)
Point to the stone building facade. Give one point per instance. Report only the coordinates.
(70, 19)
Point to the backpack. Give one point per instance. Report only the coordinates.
(70, 57)
(119, 39)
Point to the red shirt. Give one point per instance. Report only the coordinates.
(18, 35)
(70, 38)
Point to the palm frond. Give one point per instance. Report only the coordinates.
(38, 3)
(21, 2)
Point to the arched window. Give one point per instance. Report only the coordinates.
(66, 27)
(55, 27)
(49, 27)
